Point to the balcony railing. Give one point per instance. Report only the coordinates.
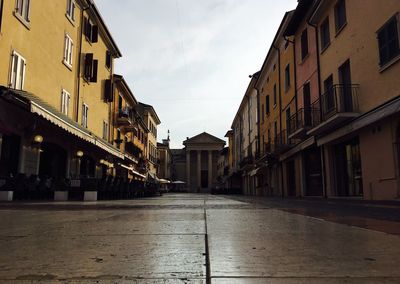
(133, 150)
(281, 142)
(125, 116)
(334, 107)
(301, 120)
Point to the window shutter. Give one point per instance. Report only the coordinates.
(88, 66)
(85, 26)
(94, 71)
(95, 33)
(108, 91)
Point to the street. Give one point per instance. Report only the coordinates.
(193, 238)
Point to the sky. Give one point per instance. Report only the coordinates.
(191, 59)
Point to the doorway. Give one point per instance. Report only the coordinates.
(348, 169)
(88, 167)
(313, 172)
(53, 160)
(9, 156)
(346, 100)
(204, 178)
(291, 174)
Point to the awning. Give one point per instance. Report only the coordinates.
(133, 171)
(164, 181)
(300, 147)
(131, 159)
(51, 114)
(57, 120)
(390, 108)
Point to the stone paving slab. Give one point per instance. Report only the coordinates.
(99, 257)
(273, 243)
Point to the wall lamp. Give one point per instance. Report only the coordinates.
(79, 154)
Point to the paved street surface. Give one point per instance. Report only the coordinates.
(189, 238)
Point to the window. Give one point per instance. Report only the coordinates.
(287, 77)
(71, 10)
(340, 15)
(304, 44)
(325, 35)
(18, 66)
(68, 51)
(262, 112)
(105, 130)
(267, 104)
(90, 30)
(90, 70)
(275, 95)
(388, 41)
(85, 115)
(65, 98)
(108, 59)
(22, 9)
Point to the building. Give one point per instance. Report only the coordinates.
(151, 120)
(165, 158)
(223, 167)
(53, 106)
(359, 97)
(245, 128)
(196, 164)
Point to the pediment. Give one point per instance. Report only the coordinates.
(203, 138)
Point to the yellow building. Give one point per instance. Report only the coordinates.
(276, 91)
(150, 117)
(54, 111)
(359, 101)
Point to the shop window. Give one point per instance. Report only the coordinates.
(18, 66)
(388, 40)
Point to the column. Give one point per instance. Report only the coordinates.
(210, 167)
(199, 168)
(188, 168)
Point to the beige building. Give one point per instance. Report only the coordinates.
(201, 157)
(165, 159)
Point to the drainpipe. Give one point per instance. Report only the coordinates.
(280, 113)
(320, 107)
(79, 62)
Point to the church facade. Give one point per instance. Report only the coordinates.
(196, 164)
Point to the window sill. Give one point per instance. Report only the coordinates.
(70, 19)
(339, 30)
(389, 63)
(325, 47)
(22, 20)
(69, 66)
(274, 106)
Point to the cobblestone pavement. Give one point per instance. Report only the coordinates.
(190, 238)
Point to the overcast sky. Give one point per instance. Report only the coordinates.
(191, 59)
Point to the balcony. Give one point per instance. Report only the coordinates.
(124, 117)
(300, 123)
(336, 106)
(246, 161)
(133, 150)
(281, 142)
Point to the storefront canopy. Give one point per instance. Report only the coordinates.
(43, 109)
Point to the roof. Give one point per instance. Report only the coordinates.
(120, 79)
(93, 8)
(302, 9)
(204, 138)
(279, 33)
(143, 106)
(229, 133)
(251, 85)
